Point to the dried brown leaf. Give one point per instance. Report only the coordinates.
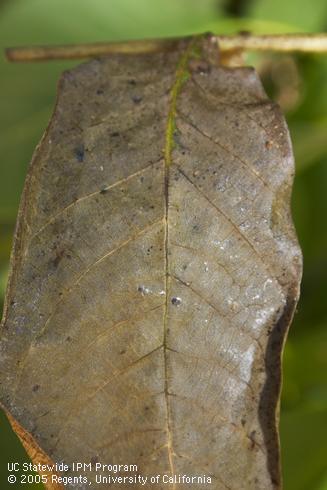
(155, 273)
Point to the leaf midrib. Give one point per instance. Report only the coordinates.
(180, 77)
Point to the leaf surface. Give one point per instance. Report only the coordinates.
(155, 272)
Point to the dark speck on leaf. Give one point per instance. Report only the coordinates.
(136, 99)
(131, 82)
(177, 139)
(94, 460)
(79, 153)
(114, 134)
(176, 301)
(100, 91)
(252, 439)
(200, 66)
(36, 388)
(56, 261)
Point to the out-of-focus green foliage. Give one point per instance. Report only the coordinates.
(27, 94)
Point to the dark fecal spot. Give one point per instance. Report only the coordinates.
(100, 91)
(94, 460)
(79, 153)
(243, 422)
(35, 388)
(176, 301)
(51, 435)
(122, 352)
(184, 267)
(200, 66)
(177, 140)
(56, 261)
(146, 408)
(114, 134)
(136, 99)
(68, 339)
(251, 436)
(131, 82)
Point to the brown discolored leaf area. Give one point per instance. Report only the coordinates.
(155, 273)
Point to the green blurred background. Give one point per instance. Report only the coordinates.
(298, 83)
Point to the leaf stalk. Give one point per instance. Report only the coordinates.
(306, 43)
